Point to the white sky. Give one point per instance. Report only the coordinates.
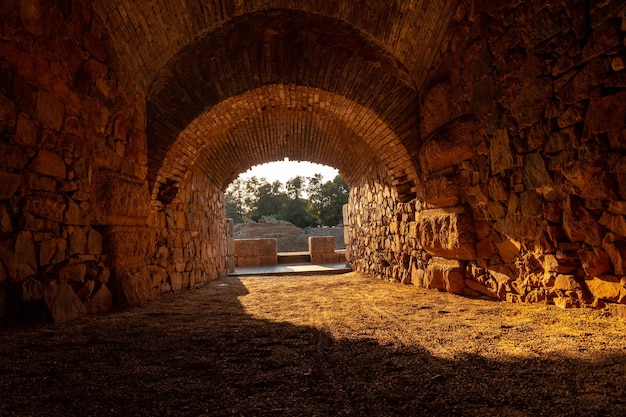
(285, 170)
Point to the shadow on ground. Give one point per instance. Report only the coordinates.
(207, 357)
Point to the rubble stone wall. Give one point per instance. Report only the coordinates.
(523, 164)
(78, 232)
(509, 128)
(69, 136)
(194, 244)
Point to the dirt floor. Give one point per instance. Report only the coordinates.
(345, 345)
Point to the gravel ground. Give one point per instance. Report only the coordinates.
(345, 345)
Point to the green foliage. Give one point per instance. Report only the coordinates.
(301, 201)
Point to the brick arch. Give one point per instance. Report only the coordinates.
(277, 121)
(245, 66)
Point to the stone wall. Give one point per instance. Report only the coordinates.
(192, 247)
(509, 128)
(523, 165)
(77, 229)
(68, 137)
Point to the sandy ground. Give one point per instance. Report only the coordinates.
(345, 345)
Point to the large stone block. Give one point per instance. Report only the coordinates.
(46, 206)
(101, 301)
(320, 246)
(448, 233)
(443, 191)
(128, 245)
(49, 111)
(579, 224)
(501, 157)
(9, 184)
(19, 255)
(131, 286)
(536, 176)
(118, 199)
(12, 157)
(255, 252)
(445, 274)
(606, 287)
(48, 163)
(605, 114)
(436, 106)
(64, 304)
(448, 146)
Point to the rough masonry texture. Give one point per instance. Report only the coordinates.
(484, 142)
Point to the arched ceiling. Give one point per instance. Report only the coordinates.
(146, 34)
(229, 85)
(278, 121)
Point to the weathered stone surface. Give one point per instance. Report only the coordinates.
(615, 223)
(8, 115)
(5, 221)
(606, 287)
(536, 176)
(436, 108)
(63, 303)
(45, 206)
(9, 183)
(49, 163)
(500, 152)
(257, 252)
(447, 146)
(563, 302)
(75, 214)
(442, 191)
(566, 283)
(617, 253)
(50, 111)
(19, 256)
(131, 286)
(529, 105)
(31, 223)
(127, 245)
(12, 157)
(52, 251)
(118, 199)
(78, 240)
(32, 290)
(101, 301)
(73, 273)
(579, 86)
(27, 130)
(94, 242)
(445, 274)
(579, 225)
(605, 114)
(31, 16)
(596, 262)
(448, 233)
(517, 226)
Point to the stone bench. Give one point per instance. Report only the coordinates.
(255, 252)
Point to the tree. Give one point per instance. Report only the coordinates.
(270, 199)
(295, 210)
(302, 201)
(336, 194)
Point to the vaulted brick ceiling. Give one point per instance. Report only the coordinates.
(230, 84)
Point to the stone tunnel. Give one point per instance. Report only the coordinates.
(484, 142)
